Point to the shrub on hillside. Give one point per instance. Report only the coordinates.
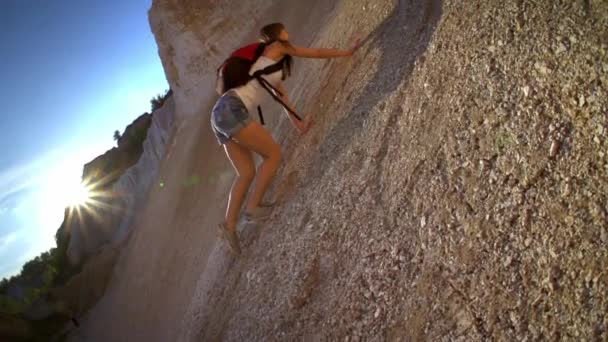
(157, 101)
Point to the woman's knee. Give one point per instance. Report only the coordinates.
(246, 174)
(274, 153)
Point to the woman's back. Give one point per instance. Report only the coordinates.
(252, 93)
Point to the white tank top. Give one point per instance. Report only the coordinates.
(252, 93)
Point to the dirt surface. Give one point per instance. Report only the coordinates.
(453, 188)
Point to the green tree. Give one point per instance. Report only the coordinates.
(3, 285)
(117, 135)
(157, 101)
(9, 305)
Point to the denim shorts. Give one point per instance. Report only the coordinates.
(228, 116)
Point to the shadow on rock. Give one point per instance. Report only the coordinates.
(402, 38)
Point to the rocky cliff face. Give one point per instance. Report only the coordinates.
(105, 170)
(121, 179)
(453, 187)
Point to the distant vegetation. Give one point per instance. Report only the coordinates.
(47, 270)
(157, 101)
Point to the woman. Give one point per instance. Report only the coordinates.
(240, 135)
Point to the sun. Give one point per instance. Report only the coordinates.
(75, 194)
(63, 187)
(60, 187)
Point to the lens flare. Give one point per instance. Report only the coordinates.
(77, 194)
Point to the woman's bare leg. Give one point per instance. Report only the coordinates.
(243, 164)
(257, 139)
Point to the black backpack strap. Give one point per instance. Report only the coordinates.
(261, 116)
(271, 69)
(273, 92)
(270, 89)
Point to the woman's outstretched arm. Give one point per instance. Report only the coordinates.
(298, 51)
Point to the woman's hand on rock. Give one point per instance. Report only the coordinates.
(304, 125)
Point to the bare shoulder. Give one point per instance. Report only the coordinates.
(276, 50)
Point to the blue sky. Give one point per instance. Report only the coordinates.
(73, 72)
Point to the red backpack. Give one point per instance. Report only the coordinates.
(234, 72)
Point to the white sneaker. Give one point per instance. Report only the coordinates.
(231, 238)
(267, 204)
(257, 215)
